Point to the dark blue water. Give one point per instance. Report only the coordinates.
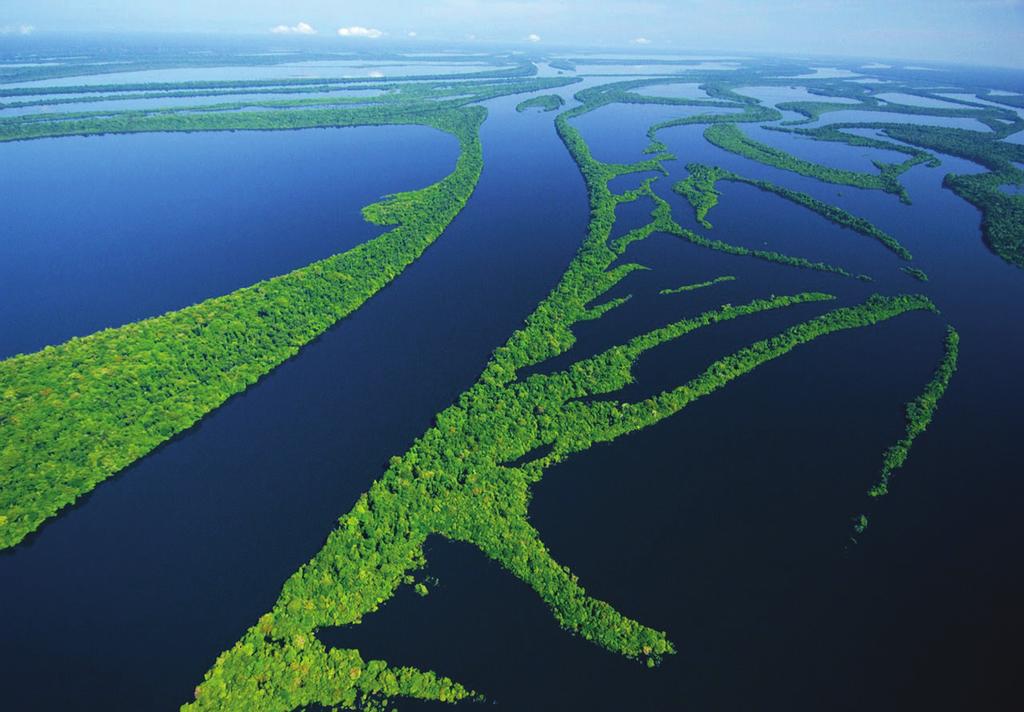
(627, 146)
(130, 596)
(726, 525)
(849, 158)
(103, 230)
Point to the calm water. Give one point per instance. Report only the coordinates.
(60, 103)
(915, 100)
(173, 559)
(678, 91)
(202, 214)
(726, 525)
(306, 70)
(773, 95)
(854, 115)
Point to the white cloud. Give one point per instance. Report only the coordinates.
(357, 31)
(303, 28)
(533, 37)
(641, 41)
(411, 33)
(17, 29)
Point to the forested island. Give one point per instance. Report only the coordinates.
(545, 102)
(456, 480)
(53, 408)
(589, 365)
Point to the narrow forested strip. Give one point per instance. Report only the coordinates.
(698, 285)
(919, 414)
(74, 414)
(400, 104)
(916, 273)
(457, 479)
(1002, 214)
(451, 482)
(730, 138)
(521, 69)
(667, 224)
(699, 190)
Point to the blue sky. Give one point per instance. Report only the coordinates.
(969, 31)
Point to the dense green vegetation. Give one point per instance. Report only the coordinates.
(1002, 215)
(596, 97)
(698, 285)
(865, 94)
(919, 414)
(730, 138)
(699, 189)
(833, 133)
(117, 57)
(662, 214)
(917, 274)
(744, 108)
(468, 476)
(749, 113)
(72, 415)
(545, 102)
(665, 223)
(518, 70)
(392, 91)
(406, 105)
(324, 88)
(814, 110)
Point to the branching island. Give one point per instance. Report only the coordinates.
(73, 414)
(1002, 214)
(468, 477)
(699, 190)
(730, 138)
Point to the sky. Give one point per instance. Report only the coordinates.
(982, 32)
